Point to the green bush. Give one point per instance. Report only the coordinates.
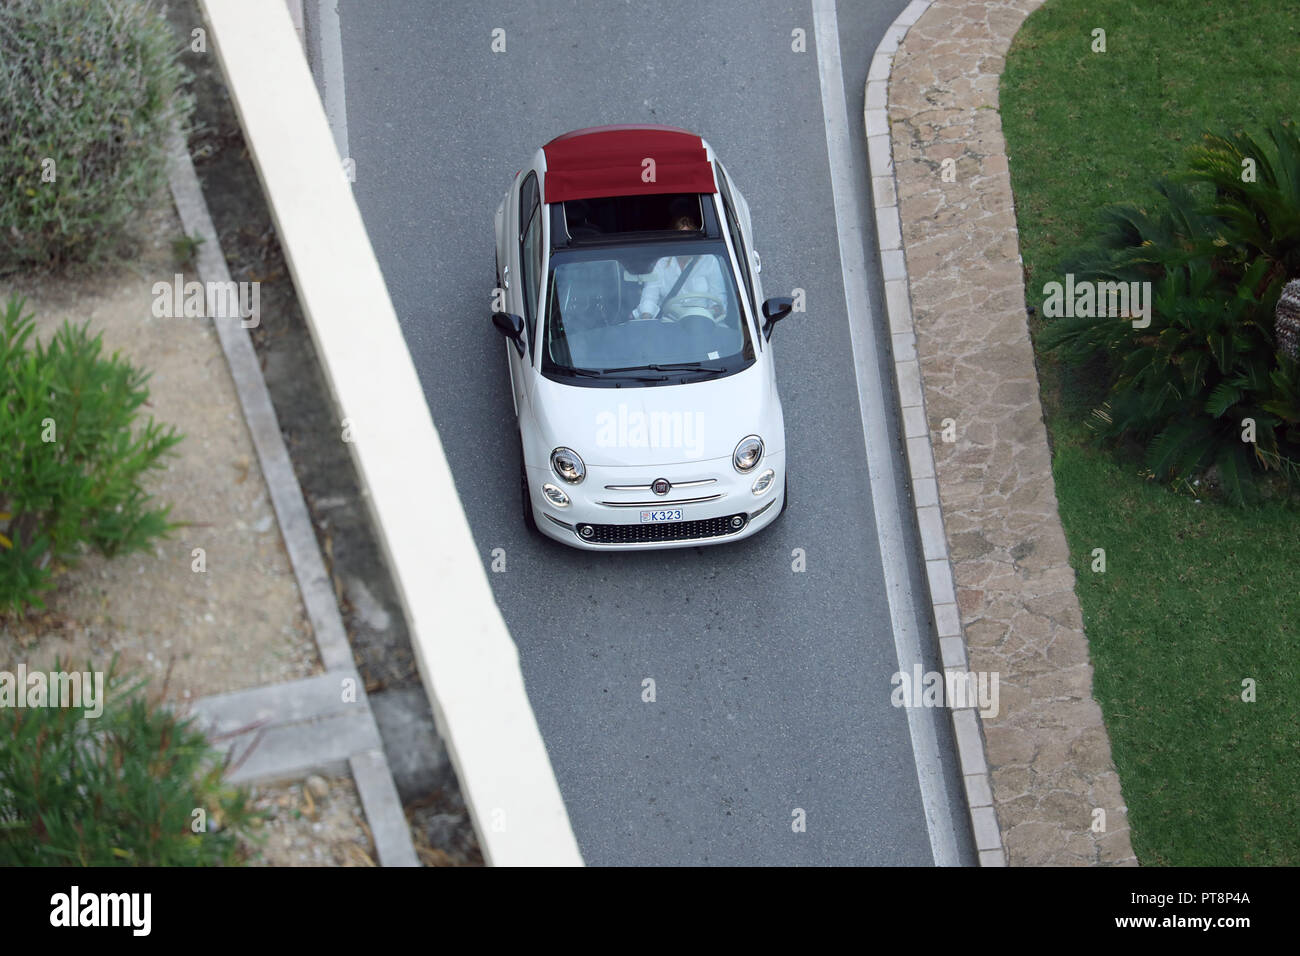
(89, 91)
(115, 790)
(1260, 212)
(1217, 252)
(72, 459)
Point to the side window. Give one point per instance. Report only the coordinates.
(527, 200)
(530, 252)
(737, 240)
(530, 261)
(742, 254)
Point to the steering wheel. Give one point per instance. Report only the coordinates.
(674, 310)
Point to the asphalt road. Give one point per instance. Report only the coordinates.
(772, 686)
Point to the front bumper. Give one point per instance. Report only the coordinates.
(716, 502)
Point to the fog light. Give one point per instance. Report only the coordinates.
(763, 482)
(555, 495)
(737, 522)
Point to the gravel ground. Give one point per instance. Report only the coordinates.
(314, 822)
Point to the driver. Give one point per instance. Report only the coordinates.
(705, 277)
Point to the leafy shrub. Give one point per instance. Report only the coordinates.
(72, 462)
(117, 790)
(94, 87)
(1217, 252)
(1260, 213)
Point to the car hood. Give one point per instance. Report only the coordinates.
(660, 424)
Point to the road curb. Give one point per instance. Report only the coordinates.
(468, 662)
(971, 749)
(371, 773)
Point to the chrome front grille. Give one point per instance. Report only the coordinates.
(660, 502)
(699, 483)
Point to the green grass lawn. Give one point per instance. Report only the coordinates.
(1196, 597)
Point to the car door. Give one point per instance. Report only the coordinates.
(532, 258)
(521, 279)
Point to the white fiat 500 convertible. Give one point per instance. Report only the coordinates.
(639, 353)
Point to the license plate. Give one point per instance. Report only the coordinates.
(670, 514)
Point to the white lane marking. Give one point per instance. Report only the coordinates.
(330, 47)
(872, 398)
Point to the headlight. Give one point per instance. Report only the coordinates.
(747, 454)
(555, 495)
(566, 463)
(763, 482)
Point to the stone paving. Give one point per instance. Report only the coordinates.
(1048, 751)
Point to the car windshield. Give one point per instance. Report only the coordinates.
(620, 314)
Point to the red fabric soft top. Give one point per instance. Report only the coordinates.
(610, 161)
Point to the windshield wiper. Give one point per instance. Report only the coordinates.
(674, 365)
(667, 367)
(601, 372)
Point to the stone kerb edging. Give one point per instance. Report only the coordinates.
(995, 552)
(360, 751)
(920, 456)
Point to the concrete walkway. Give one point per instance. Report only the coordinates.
(962, 296)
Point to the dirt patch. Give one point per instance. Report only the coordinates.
(239, 623)
(315, 822)
(441, 830)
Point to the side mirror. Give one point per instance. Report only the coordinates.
(512, 327)
(774, 310)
